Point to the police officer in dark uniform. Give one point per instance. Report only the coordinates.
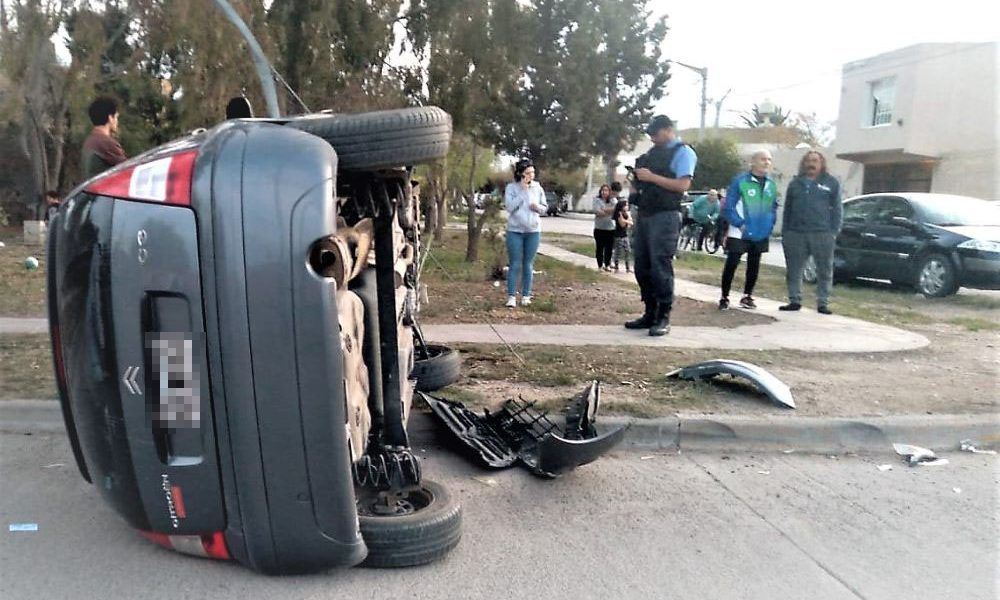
(664, 174)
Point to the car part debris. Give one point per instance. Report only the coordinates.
(763, 380)
(915, 455)
(884, 468)
(969, 446)
(517, 432)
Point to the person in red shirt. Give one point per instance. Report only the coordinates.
(101, 150)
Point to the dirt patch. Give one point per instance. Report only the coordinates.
(22, 291)
(564, 294)
(958, 373)
(26, 367)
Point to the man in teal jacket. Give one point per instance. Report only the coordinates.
(705, 211)
(751, 208)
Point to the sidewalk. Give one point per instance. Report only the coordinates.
(805, 330)
(21, 325)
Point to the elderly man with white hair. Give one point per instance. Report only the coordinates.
(751, 207)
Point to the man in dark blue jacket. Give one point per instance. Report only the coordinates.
(812, 219)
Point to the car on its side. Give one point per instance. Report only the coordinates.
(935, 243)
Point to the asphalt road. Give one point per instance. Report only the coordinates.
(629, 526)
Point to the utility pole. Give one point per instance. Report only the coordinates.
(703, 71)
(718, 106)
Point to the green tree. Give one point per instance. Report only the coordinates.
(336, 54)
(590, 75)
(718, 162)
(35, 103)
(471, 71)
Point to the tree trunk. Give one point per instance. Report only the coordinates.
(473, 228)
(34, 147)
(611, 162)
(441, 198)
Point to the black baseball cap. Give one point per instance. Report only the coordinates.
(659, 122)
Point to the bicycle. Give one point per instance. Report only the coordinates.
(711, 243)
(688, 236)
(690, 233)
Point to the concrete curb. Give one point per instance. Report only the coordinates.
(807, 435)
(31, 416)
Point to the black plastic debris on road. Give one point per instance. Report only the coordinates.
(519, 433)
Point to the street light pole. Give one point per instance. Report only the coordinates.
(703, 71)
(263, 67)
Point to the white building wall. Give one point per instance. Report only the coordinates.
(947, 107)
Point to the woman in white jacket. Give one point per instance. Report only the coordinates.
(525, 202)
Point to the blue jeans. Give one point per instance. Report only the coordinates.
(521, 249)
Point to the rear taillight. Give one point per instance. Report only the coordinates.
(166, 180)
(208, 545)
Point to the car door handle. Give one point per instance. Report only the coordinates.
(868, 235)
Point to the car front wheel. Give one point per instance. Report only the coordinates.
(936, 276)
(410, 527)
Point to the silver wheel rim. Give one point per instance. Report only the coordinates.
(932, 277)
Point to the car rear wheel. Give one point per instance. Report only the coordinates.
(382, 139)
(411, 527)
(936, 276)
(441, 368)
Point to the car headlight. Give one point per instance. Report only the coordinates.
(981, 245)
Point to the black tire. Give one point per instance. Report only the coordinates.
(428, 527)
(936, 276)
(711, 243)
(441, 368)
(388, 138)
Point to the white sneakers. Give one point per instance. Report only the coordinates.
(512, 301)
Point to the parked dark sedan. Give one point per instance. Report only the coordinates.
(933, 242)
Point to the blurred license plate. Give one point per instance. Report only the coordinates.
(176, 385)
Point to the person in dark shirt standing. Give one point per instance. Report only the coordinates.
(812, 219)
(623, 226)
(101, 150)
(664, 174)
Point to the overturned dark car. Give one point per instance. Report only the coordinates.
(233, 326)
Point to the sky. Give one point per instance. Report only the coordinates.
(792, 52)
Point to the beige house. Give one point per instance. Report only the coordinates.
(924, 118)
